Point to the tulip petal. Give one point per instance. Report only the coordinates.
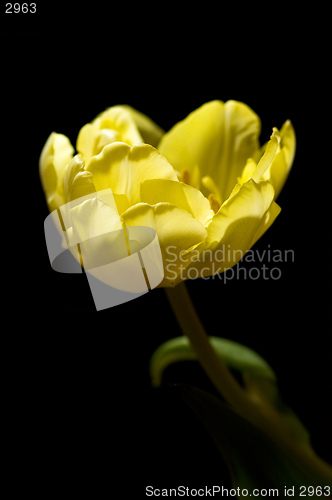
(248, 171)
(151, 133)
(93, 217)
(123, 168)
(77, 181)
(268, 156)
(270, 217)
(252, 200)
(114, 124)
(177, 232)
(279, 169)
(239, 222)
(259, 171)
(98, 229)
(55, 156)
(179, 194)
(218, 137)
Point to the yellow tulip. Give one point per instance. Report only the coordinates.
(216, 149)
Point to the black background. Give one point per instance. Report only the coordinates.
(82, 414)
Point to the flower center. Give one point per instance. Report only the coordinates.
(209, 187)
(184, 176)
(214, 202)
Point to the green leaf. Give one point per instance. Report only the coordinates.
(254, 459)
(258, 376)
(234, 355)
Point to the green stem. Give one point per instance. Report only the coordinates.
(215, 368)
(260, 414)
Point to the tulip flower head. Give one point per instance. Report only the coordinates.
(204, 186)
